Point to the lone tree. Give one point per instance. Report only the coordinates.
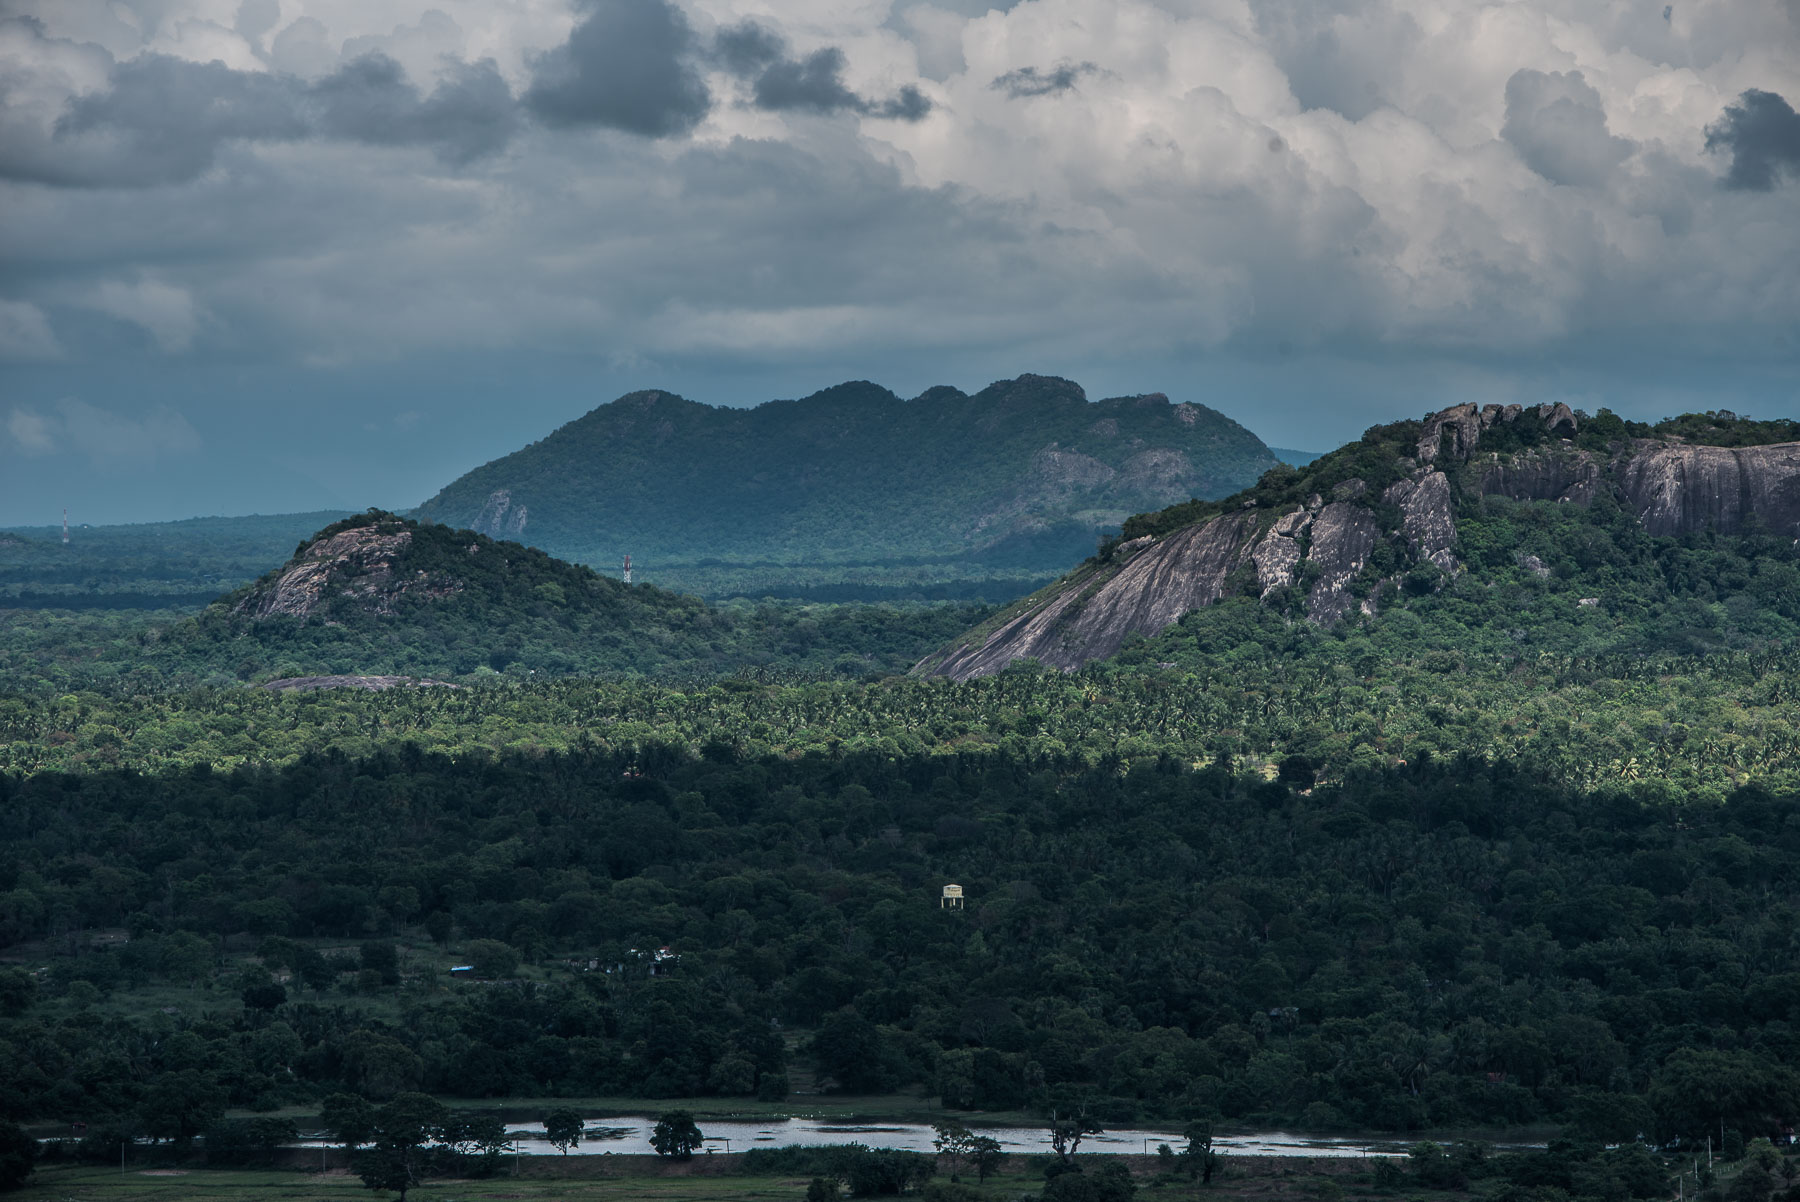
(952, 1145)
(987, 1154)
(401, 1130)
(1202, 1161)
(1066, 1134)
(562, 1127)
(676, 1135)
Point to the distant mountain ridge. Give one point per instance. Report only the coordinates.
(1025, 472)
(1415, 507)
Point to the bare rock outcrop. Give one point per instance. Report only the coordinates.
(1158, 471)
(1426, 517)
(358, 563)
(1341, 538)
(1463, 422)
(1156, 586)
(1277, 556)
(1679, 489)
(1543, 474)
(500, 518)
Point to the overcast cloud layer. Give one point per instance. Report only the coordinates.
(278, 254)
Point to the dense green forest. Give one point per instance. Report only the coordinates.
(1448, 942)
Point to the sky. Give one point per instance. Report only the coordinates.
(283, 255)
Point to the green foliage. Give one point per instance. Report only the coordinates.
(563, 1127)
(1107, 1181)
(491, 958)
(874, 1172)
(18, 1153)
(349, 1117)
(1445, 943)
(1723, 428)
(676, 1135)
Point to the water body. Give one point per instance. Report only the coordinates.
(631, 1134)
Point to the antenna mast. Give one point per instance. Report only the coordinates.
(627, 565)
(65, 526)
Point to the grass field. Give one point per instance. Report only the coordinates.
(86, 1184)
(544, 1179)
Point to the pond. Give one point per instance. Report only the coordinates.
(631, 1134)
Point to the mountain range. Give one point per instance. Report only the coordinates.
(1021, 477)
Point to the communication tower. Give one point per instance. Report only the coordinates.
(65, 527)
(628, 569)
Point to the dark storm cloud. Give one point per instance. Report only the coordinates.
(1762, 132)
(163, 120)
(1029, 81)
(1557, 123)
(470, 114)
(628, 65)
(746, 49)
(813, 84)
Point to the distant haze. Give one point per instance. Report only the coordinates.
(267, 255)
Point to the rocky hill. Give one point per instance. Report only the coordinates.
(381, 597)
(1023, 474)
(1368, 525)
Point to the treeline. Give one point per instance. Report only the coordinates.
(1242, 681)
(1447, 943)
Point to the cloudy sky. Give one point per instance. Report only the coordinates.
(270, 255)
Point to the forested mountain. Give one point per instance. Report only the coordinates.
(379, 594)
(1022, 475)
(1500, 514)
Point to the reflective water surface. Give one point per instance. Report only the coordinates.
(631, 1134)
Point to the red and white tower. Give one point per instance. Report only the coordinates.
(627, 568)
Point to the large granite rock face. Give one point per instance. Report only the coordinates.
(1340, 541)
(1673, 488)
(1156, 586)
(1169, 577)
(1426, 517)
(1684, 489)
(358, 564)
(1544, 474)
